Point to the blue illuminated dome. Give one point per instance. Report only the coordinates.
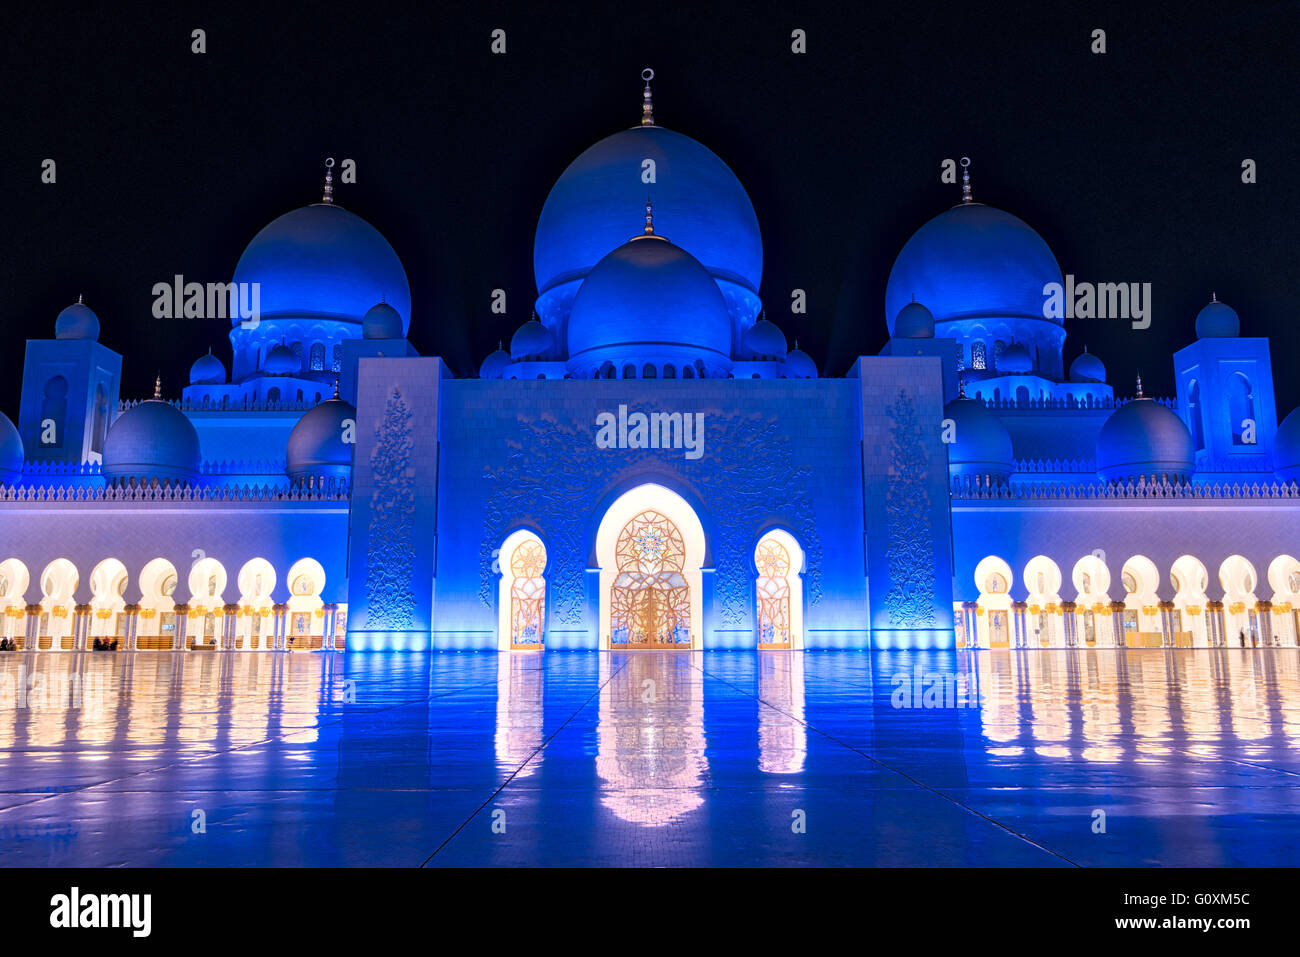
(494, 364)
(981, 443)
(153, 440)
(281, 361)
(1086, 367)
(1015, 360)
(317, 447)
(11, 452)
(973, 261)
(798, 365)
(532, 340)
(382, 321)
(1286, 448)
(1217, 320)
(77, 321)
(1143, 438)
(649, 301)
(323, 262)
(698, 201)
(208, 370)
(764, 340)
(914, 321)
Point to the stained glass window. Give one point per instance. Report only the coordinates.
(650, 600)
(773, 563)
(527, 594)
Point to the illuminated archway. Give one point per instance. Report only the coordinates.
(255, 626)
(650, 546)
(58, 586)
(108, 583)
(207, 584)
(1140, 581)
(993, 624)
(1043, 620)
(778, 589)
(521, 593)
(1238, 579)
(1091, 580)
(306, 624)
(158, 581)
(1190, 578)
(14, 579)
(1284, 577)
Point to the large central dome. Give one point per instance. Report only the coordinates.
(323, 262)
(696, 197)
(973, 262)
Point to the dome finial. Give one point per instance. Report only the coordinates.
(649, 217)
(328, 197)
(336, 387)
(961, 387)
(647, 108)
(965, 181)
(79, 302)
(1139, 388)
(157, 386)
(1213, 298)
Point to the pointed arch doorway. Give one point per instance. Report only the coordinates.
(650, 547)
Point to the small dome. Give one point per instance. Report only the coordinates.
(1142, 438)
(649, 300)
(11, 452)
(282, 361)
(76, 322)
(531, 340)
(1015, 360)
(914, 321)
(382, 321)
(494, 365)
(208, 370)
(799, 365)
(764, 340)
(1087, 368)
(1217, 320)
(981, 443)
(316, 447)
(153, 440)
(1286, 448)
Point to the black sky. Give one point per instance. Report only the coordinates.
(1127, 163)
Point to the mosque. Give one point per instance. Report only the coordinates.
(650, 464)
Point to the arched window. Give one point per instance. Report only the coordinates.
(99, 425)
(212, 586)
(318, 357)
(688, 372)
(338, 358)
(979, 356)
(773, 587)
(1241, 410)
(629, 371)
(272, 395)
(670, 372)
(648, 371)
(650, 600)
(527, 595)
(1194, 413)
(303, 585)
(54, 410)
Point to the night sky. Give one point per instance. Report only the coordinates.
(1128, 163)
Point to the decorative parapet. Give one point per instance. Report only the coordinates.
(1055, 467)
(329, 492)
(967, 489)
(226, 404)
(1067, 402)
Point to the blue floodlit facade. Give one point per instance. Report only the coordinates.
(649, 464)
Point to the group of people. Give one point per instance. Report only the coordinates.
(104, 644)
(7, 644)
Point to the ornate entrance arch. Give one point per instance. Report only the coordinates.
(650, 548)
(650, 604)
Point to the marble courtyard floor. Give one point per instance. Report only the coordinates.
(1052, 758)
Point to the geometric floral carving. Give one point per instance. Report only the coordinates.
(390, 547)
(555, 478)
(908, 553)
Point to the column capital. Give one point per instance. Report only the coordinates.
(181, 609)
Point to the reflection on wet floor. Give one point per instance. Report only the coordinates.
(1192, 756)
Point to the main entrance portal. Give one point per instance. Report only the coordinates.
(650, 600)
